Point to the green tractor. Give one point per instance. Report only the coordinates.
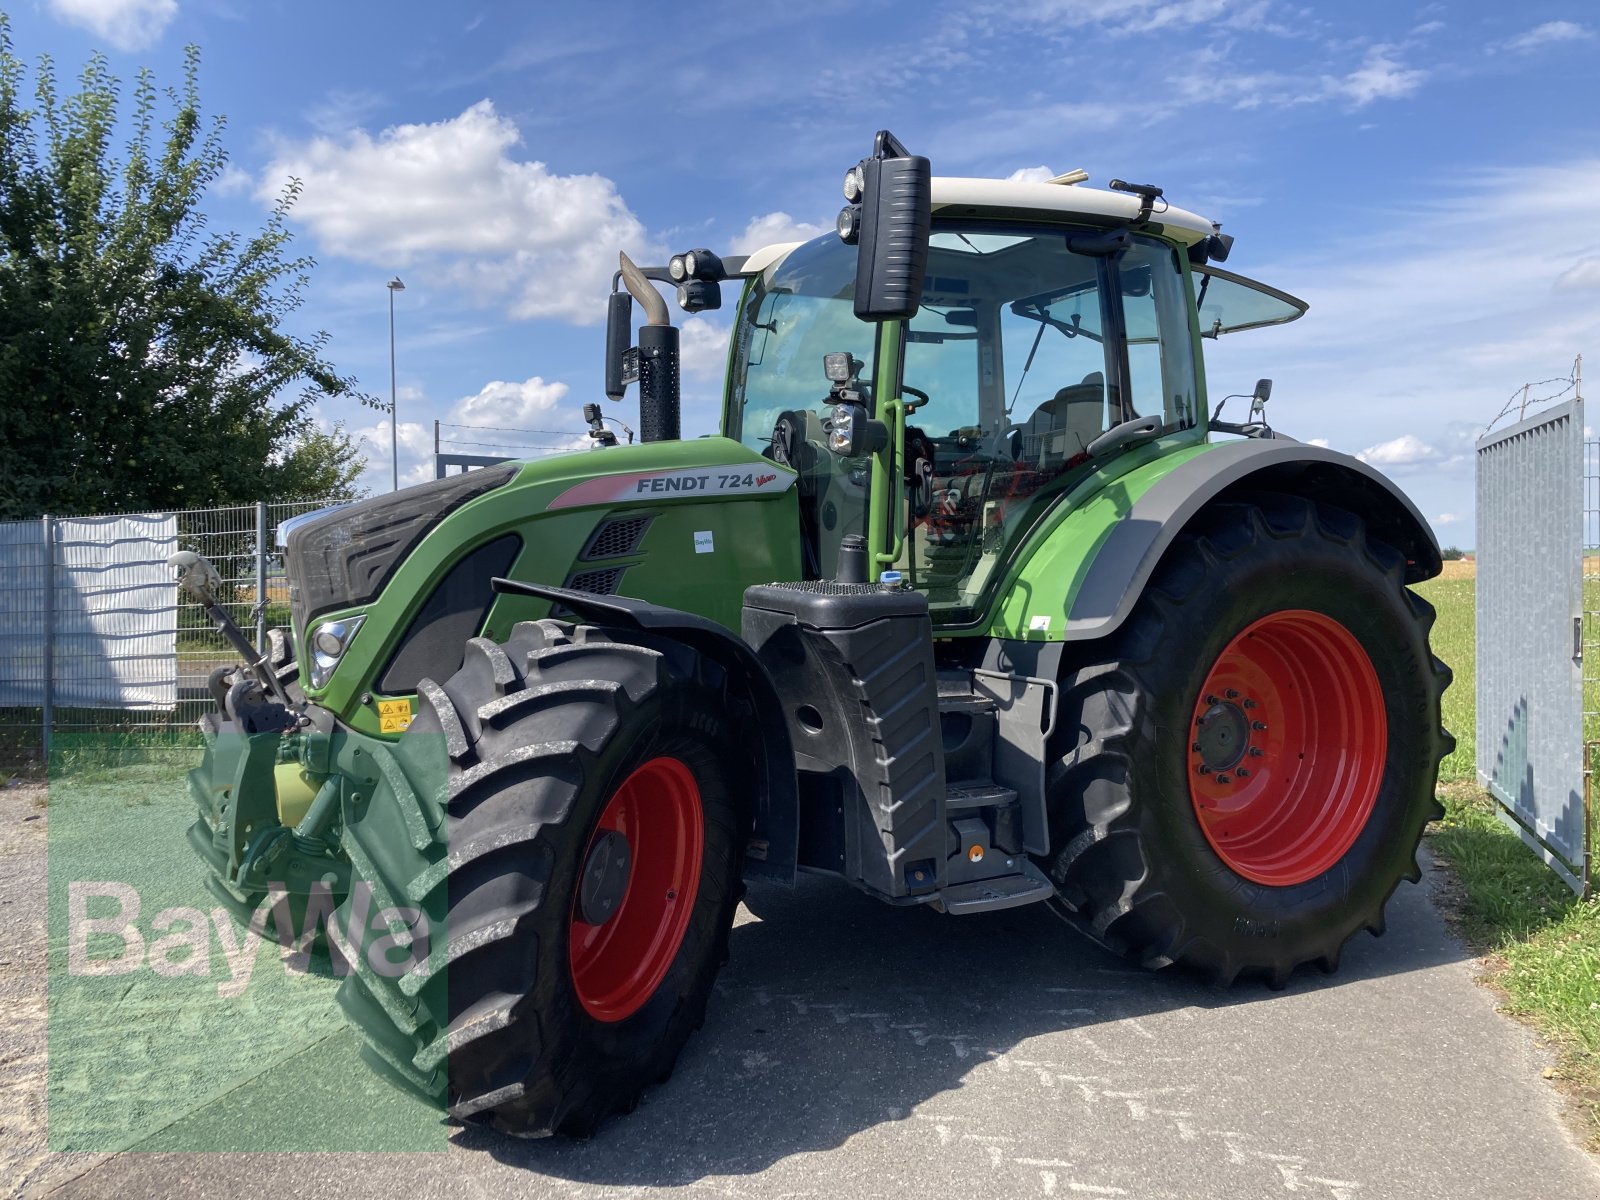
(964, 605)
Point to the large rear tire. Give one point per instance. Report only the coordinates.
(594, 803)
(1244, 773)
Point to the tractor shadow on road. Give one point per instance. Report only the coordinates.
(837, 1014)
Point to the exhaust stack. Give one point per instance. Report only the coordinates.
(660, 418)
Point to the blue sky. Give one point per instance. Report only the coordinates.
(1426, 175)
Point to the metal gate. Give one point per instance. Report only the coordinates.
(1532, 753)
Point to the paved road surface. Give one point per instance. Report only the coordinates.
(860, 1051)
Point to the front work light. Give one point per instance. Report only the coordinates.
(328, 643)
(849, 224)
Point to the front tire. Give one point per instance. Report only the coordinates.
(1244, 774)
(585, 872)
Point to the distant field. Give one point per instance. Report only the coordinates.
(1453, 596)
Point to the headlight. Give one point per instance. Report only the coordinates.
(329, 641)
(854, 184)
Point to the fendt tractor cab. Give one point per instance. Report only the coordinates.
(965, 604)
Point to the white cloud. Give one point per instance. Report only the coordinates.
(509, 405)
(775, 228)
(1446, 519)
(1407, 450)
(1031, 175)
(449, 197)
(232, 182)
(126, 24)
(1135, 16)
(415, 451)
(1380, 77)
(1581, 275)
(1323, 442)
(702, 348)
(1547, 34)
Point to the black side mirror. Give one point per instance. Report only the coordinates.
(619, 338)
(889, 216)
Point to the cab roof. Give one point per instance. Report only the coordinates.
(960, 197)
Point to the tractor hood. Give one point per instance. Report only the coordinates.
(403, 579)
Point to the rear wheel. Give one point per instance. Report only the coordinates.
(585, 872)
(1245, 773)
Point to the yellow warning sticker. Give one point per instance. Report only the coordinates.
(393, 715)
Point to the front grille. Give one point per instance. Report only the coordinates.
(616, 538)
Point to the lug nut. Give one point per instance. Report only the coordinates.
(1259, 726)
(1195, 748)
(1255, 751)
(1249, 703)
(1243, 773)
(1232, 695)
(1223, 779)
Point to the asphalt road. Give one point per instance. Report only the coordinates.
(859, 1051)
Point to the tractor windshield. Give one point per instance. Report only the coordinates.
(795, 313)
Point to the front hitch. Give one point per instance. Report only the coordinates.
(201, 580)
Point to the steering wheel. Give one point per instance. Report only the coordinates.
(921, 395)
(1000, 447)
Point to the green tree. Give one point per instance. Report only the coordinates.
(144, 360)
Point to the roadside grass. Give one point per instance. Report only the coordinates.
(1541, 943)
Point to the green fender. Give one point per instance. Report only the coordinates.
(1082, 569)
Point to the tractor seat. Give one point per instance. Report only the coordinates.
(1066, 423)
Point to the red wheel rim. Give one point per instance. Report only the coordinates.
(1288, 742)
(618, 964)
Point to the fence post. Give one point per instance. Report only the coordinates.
(261, 576)
(47, 558)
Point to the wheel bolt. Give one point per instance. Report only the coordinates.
(1243, 773)
(1249, 703)
(1232, 695)
(1255, 751)
(1223, 779)
(1202, 769)
(1195, 748)
(1210, 699)
(1259, 726)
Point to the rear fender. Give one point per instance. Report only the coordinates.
(775, 839)
(1076, 588)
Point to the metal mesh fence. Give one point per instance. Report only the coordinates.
(1591, 591)
(94, 635)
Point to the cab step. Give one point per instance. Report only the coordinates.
(1027, 886)
(970, 794)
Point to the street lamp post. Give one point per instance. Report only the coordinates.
(394, 285)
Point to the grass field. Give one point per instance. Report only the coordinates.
(1541, 942)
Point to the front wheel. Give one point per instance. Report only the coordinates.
(1246, 772)
(585, 873)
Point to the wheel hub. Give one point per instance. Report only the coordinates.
(637, 888)
(1221, 735)
(605, 877)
